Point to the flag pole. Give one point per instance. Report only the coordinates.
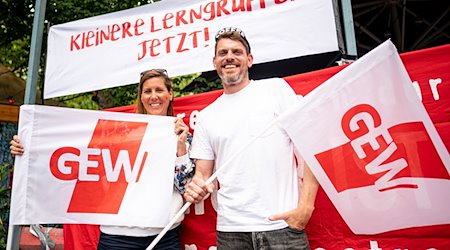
(207, 182)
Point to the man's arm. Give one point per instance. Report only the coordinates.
(196, 190)
(299, 217)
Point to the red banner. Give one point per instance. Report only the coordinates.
(429, 71)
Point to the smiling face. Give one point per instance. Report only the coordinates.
(155, 96)
(232, 62)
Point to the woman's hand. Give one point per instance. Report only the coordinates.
(182, 130)
(16, 147)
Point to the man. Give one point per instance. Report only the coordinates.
(259, 203)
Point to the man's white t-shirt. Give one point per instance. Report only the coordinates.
(262, 180)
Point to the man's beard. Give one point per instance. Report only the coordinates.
(231, 80)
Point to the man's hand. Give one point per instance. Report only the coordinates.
(197, 190)
(296, 218)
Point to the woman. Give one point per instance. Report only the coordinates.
(155, 97)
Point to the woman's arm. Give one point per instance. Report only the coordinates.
(184, 165)
(184, 169)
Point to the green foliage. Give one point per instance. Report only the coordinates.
(80, 101)
(202, 85)
(181, 82)
(5, 197)
(15, 32)
(14, 55)
(16, 21)
(62, 11)
(119, 96)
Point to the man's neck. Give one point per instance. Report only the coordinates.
(232, 89)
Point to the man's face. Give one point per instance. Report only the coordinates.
(232, 61)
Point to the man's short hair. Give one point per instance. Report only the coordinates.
(233, 33)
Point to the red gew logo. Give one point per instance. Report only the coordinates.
(376, 155)
(103, 169)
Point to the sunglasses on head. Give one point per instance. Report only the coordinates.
(234, 30)
(161, 71)
(230, 29)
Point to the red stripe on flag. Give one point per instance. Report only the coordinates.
(104, 196)
(347, 171)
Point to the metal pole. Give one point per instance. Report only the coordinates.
(403, 26)
(349, 30)
(339, 28)
(14, 231)
(35, 52)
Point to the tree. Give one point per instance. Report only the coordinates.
(15, 32)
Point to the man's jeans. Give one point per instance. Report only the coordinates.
(286, 238)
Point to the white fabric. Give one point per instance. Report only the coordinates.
(53, 188)
(111, 50)
(182, 159)
(177, 203)
(261, 181)
(392, 172)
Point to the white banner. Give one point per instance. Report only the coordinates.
(372, 146)
(111, 50)
(93, 167)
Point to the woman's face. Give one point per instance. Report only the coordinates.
(155, 96)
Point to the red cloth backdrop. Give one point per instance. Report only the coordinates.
(429, 69)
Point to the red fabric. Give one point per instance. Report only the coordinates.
(81, 237)
(326, 228)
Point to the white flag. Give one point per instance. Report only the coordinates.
(369, 141)
(93, 167)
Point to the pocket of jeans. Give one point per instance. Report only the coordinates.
(295, 230)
